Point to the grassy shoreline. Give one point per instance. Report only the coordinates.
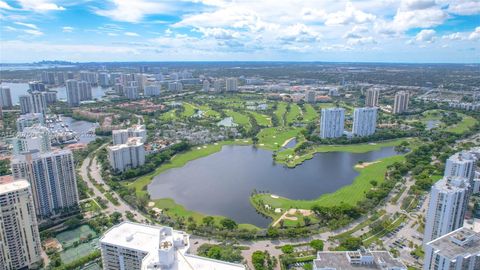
(361, 182)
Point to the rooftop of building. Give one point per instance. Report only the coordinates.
(452, 184)
(461, 242)
(132, 141)
(152, 239)
(142, 237)
(8, 184)
(342, 260)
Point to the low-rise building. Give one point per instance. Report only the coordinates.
(362, 259)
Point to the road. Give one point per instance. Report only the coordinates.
(94, 170)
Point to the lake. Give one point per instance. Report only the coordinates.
(221, 183)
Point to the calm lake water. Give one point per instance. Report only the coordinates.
(221, 184)
(18, 89)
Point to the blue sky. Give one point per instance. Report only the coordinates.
(241, 30)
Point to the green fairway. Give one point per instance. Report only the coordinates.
(350, 194)
(273, 138)
(289, 158)
(466, 124)
(262, 120)
(309, 113)
(280, 112)
(239, 118)
(208, 112)
(189, 110)
(293, 113)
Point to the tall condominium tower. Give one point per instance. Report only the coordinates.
(459, 249)
(61, 77)
(73, 95)
(19, 238)
(231, 84)
(103, 79)
(84, 90)
(36, 86)
(5, 97)
(120, 136)
(26, 105)
(401, 102)
(52, 176)
(371, 99)
(461, 164)
(332, 123)
(364, 121)
(128, 155)
(206, 85)
(310, 96)
(446, 210)
(39, 102)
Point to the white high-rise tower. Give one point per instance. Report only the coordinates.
(332, 123)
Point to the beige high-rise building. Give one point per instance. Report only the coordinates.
(231, 85)
(19, 237)
(401, 102)
(371, 99)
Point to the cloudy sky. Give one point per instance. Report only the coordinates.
(195, 30)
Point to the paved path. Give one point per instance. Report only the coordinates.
(94, 170)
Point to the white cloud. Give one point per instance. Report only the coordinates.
(67, 29)
(33, 32)
(28, 25)
(453, 36)
(349, 16)
(464, 7)
(134, 11)
(40, 5)
(475, 35)
(131, 34)
(5, 5)
(426, 35)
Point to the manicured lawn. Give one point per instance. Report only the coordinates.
(168, 116)
(208, 112)
(280, 112)
(274, 137)
(293, 113)
(309, 113)
(239, 118)
(262, 120)
(288, 157)
(189, 110)
(326, 105)
(466, 123)
(350, 194)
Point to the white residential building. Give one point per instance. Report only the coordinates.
(61, 77)
(28, 120)
(103, 79)
(206, 85)
(131, 90)
(90, 77)
(459, 249)
(332, 123)
(48, 77)
(120, 136)
(152, 90)
(26, 105)
(5, 97)
(446, 210)
(36, 137)
(128, 155)
(175, 86)
(371, 99)
(36, 86)
(39, 102)
(362, 259)
(231, 85)
(218, 86)
(364, 121)
(84, 90)
(73, 94)
(310, 96)
(461, 164)
(50, 97)
(52, 177)
(20, 244)
(135, 246)
(401, 102)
